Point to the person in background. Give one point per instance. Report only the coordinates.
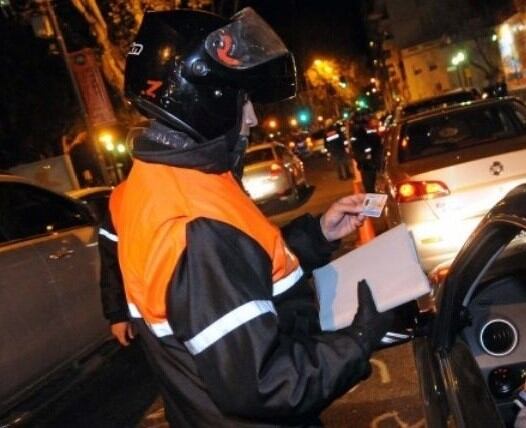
(366, 150)
(335, 144)
(219, 295)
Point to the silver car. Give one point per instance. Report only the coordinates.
(272, 171)
(51, 318)
(95, 198)
(444, 170)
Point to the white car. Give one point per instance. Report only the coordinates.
(272, 171)
(443, 170)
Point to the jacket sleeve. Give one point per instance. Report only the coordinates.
(304, 237)
(220, 307)
(114, 306)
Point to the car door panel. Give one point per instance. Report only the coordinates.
(431, 386)
(72, 258)
(33, 323)
(468, 389)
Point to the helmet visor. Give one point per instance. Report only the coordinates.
(246, 42)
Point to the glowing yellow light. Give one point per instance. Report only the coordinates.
(434, 188)
(407, 190)
(293, 122)
(121, 148)
(106, 138)
(272, 123)
(109, 146)
(166, 53)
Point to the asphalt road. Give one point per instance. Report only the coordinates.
(123, 393)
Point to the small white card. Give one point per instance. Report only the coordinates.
(374, 204)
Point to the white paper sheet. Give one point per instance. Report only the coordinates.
(390, 265)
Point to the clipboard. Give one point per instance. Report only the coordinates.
(389, 263)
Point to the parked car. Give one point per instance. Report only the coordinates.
(51, 324)
(469, 345)
(316, 143)
(272, 171)
(446, 99)
(443, 170)
(95, 198)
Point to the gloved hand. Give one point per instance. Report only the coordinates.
(369, 325)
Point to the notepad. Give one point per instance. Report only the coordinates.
(390, 265)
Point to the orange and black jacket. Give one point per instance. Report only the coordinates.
(222, 300)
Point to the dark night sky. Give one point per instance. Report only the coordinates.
(313, 28)
(31, 113)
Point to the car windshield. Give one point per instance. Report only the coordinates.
(259, 155)
(455, 130)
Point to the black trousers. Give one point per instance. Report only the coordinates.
(342, 167)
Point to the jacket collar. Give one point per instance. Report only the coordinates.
(159, 144)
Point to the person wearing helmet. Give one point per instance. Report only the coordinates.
(219, 295)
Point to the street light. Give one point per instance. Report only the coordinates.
(458, 59)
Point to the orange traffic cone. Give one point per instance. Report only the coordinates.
(366, 232)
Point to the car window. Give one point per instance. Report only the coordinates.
(27, 211)
(456, 130)
(259, 155)
(98, 204)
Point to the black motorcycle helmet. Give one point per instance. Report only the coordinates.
(192, 70)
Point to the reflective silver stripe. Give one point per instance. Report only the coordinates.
(387, 340)
(228, 323)
(109, 235)
(285, 283)
(160, 329)
(392, 334)
(134, 312)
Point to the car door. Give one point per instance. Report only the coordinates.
(48, 255)
(452, 384)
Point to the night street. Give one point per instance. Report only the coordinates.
(185, 241)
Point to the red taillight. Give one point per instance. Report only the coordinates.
(275, 170)
(409, 191)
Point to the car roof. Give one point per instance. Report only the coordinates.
(261, 146)
(466, 105)
(438, 101)
(8, 177)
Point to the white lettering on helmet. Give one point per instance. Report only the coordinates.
(135, 49)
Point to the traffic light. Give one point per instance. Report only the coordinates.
(361, 103)
(304, 116)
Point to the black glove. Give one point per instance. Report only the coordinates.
(369, 326)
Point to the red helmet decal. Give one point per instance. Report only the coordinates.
(223, 50)
(153, 87)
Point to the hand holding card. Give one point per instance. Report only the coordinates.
(373, 204)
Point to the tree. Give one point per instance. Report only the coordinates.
(114, 23)
(334, 83)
